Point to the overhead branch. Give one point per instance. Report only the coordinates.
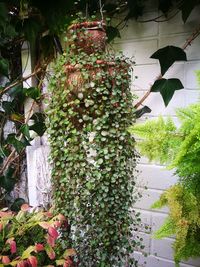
(186, 44)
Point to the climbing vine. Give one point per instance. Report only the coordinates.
(93, 154)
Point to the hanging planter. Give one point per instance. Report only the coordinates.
(93, 154)
(90, 36)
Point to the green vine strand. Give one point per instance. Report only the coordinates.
(93, 155)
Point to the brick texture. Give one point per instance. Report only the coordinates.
(140, 40)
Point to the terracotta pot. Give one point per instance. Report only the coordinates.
(91, 36)
(80, 91)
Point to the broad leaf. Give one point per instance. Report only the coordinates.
(165, 5)
(4, 65)
(18, 145)
(8, 181)
(31, 28)
(39, 126)
(8, 107)
(167, 88)
(140, 112)
(25, 130)
(33, 92)
(28, 252)
(168, 55)
(17, 204)
(112, 33)
(187, 7)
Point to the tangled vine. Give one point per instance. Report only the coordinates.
(93, 155)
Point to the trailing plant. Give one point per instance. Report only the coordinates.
(179, 147)
(93, 154)
(33, 238)
(33, 23)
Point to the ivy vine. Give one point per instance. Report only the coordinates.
(93, 155)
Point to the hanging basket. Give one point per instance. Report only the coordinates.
(90, 36)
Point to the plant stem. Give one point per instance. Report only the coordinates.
(186, 44)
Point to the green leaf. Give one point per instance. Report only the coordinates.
(168, 55)
(8, 181)
(3, 15)
(39, 126)
(18, 145)
(33, 92)
(31, 28)
(25, 130)
(28, 252)
(17, 204)
(187, 7)
(112, 33)
(4, 66)
(8, 107)
(167, 87)
(165, 5)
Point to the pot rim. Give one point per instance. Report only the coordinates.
(98, 25)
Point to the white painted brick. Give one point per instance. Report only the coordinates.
(191, 81)
(145, 217)
(162, 248)
(137, 30)
(149, 196)
(145, 240)
(176, 24)
(140, 51)
(157, 220)
(192, 96)
(156, 177)
(152, 261)
(176, 71)
(146, 75)
(155, 102)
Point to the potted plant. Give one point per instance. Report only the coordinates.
(89, 36)
(93, 154)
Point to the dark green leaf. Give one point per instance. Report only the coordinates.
(12, 140)
(17, 204)
(8, 181)
(47, 46)
(7, 106)
(15, 91)
(187, 7)
(3, 14)
(135, 9)
(33, 92)
(165, 5)
(31, 28)
(167, 88)
(39, 126)
(25, 130)
(112, 33)
(4, 66)
(140, 112)
(168, 55)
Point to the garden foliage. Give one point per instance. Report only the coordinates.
(179, 148)
(93, 154)
(33, 238)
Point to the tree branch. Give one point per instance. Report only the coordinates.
(186, 44)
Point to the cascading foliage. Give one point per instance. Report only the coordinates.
(93, 155)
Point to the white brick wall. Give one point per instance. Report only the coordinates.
(140, 40)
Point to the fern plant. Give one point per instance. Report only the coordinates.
(179, 148)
